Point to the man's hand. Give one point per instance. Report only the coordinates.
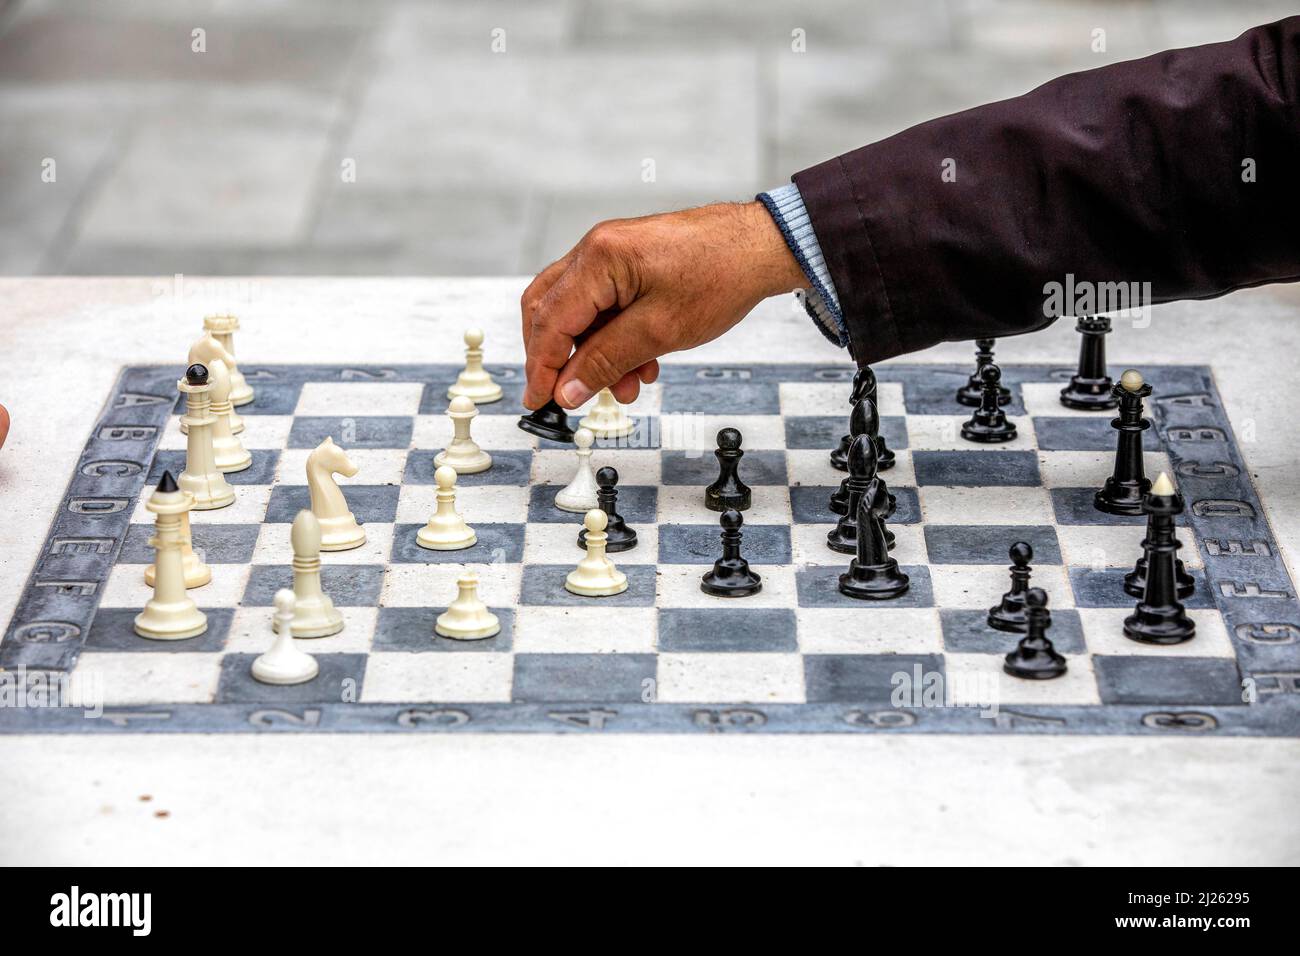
(635, 289)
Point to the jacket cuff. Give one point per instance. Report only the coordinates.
(787, 209)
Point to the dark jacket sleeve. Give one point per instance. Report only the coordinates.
(1138, 172)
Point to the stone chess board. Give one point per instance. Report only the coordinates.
(663, 657)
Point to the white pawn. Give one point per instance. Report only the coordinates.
(197, 573)
(339, 528)
(595, 575)
(446, 530)
(607, 419)
(474, 382)
(284, 663)
(314, 614)
(223, 328)
(227, 450)
(201, 477)
(204, 352)
(463, 453)
(171, 614)
(467, 618)
(580, 493)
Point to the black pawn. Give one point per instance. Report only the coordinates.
(731, 576)
(989, 423)
(1090, 387)
(971, 393)
(1158, 617)
(862, 472)
(549, 421)
(1009, 615)
(1135, 581)
(864, 389)
(728, 491)
(196, 374)
(1128, 484)
(873, 575)
(1034, 657)
(618, 536)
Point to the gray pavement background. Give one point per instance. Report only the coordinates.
(470, 160)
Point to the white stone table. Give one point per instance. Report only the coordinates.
(631, 798)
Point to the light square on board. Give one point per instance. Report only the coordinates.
(1043, 399)
(1090, 469)
(808, 542)
(489, 431)
(943, 433)
(679, 586)
(737, 678)
(985, 506)
(832, 398)
(982, 586)
(600, 629)
(260, 431)
(1117, 546)
(494, 504)
(130, 679)
(979, 680)
(359, 398)
(438, 678)
(249, 507)
(875, 630)
(1103, 629)
(687, 431)
(548, 542)
(558, 466)
(684, 504)
(126, 588)
(424, 585)
(250, 632)
(275, 546)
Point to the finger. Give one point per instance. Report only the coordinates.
(532, 296)
(575, 299)
(626, 388)
(607, 355)
(649, 372)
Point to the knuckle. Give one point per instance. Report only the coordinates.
(602, 237)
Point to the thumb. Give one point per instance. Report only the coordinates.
(608, 354)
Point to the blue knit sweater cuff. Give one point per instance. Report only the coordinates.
(823, 305)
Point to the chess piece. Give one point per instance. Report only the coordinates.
(971, 393)
(1034, 657)
(580, 494)
(1009, 615)
(201, 477)
(864, 388)
(463, 453)
(1090, 388)
(446, 530)
(474, 382)
(873, 575)
(339, 528)
(1135, 582)
(285, 663)
(314, 614)
(864, 420)
(1158, 618)
(549, 422)
(989, 424)
(1125, 488)
(728, 491)
(595, 575)
(607, 418)
(227, 450)
(618, 536)
(223, 329)
(862, 472)
(204, 352)
(171, 614)
(197, 573)
(731, 575)
(467, 618)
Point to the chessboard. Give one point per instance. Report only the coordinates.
(663, 657)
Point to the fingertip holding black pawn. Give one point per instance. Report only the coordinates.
(1009, 614)
(989, 424)
(731, 575)
(1034, 657)
(549, 421)
(196, 374)
(728, 491)
(618, 536)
